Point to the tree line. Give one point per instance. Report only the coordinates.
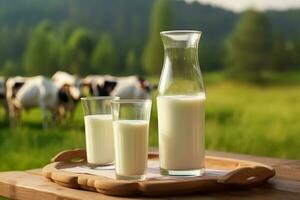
(73, 49)
(250, 51)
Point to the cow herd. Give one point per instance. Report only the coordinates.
(58, 96)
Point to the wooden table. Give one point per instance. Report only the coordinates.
(30, 185)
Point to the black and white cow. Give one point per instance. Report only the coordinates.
(3, 100)
(70, 84)
(13, 85)
(99, 85)
(39, 91)
(129, 87)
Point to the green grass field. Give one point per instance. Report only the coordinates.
(243, 118)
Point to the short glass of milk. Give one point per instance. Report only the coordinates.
(131, 126)
(98, 130)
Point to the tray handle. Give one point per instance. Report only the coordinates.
(74, 155)
(247, 175)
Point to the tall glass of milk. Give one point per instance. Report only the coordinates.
(180, 106)
(98, 130)
(131, 126)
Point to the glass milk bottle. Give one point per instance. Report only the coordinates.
(180, 106)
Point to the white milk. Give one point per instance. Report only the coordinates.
(181, 132)
(131, 146)
(99, 139)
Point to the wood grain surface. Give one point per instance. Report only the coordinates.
(31, 185)
(244, 174)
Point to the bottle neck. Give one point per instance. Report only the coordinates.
(181, 72)
(182, 60)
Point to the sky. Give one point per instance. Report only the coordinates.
(241, 5)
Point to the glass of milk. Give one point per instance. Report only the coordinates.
(131, 125)
(180, 106)
(98, 130)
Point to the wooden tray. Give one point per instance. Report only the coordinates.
(221, 174)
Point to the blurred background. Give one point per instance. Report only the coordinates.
(249, 55)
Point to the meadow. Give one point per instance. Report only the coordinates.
(240, 117)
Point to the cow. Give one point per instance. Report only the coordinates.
(61, 78)
(132, 87)
(99, 85)
(13, 85)
(41, 92)
(129, 87)
(71, 83)
(3, 100)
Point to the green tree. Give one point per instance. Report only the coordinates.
(77, 51)
(280, 58)
(161, 19)
(65, 30)
(104, 59)
(296, 52)
(248, 47)
(41, 55)
(131, 62)
(10, 68)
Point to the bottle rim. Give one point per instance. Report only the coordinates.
(131, 101)
(180, 32)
